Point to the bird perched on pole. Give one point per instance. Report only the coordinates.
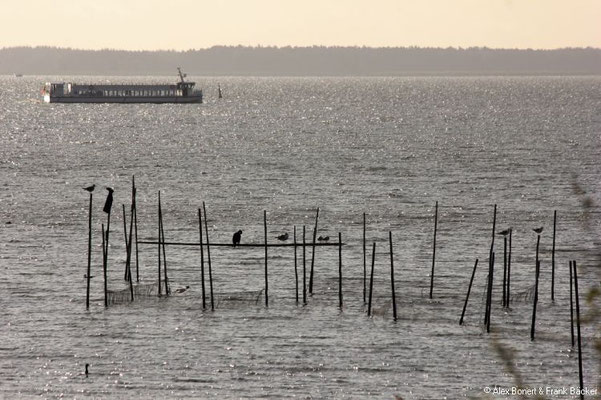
(283, 237)
(504, 233)
(89, 188)
(109, 201)
(236, 238)
(538, 230)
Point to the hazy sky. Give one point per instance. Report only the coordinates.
(192, 24)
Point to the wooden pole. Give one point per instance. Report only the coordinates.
(580, 374)
(166, 280)
(434, 250)
(488, 286)
(469, 289)
(304, 271)
(313, 252)
(208, 256)
(533, 327)
(492, 275)
(553, 257)
(202, 262)
(571, 304)
(537, 246)
(106, 299)
(364, 264)
(504, 271)
(125, 276)
(129, 240)
(266, 275)
(106, 246)
(394, 315)
(90, 253)
(340, 270)
(371, 279)
(295, 266)
(508, 297)
(128, 249)
(135, 217)
(490, 271)
(159, 243)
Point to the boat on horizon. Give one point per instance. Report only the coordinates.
(67, 92)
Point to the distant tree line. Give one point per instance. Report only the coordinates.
(300, 61)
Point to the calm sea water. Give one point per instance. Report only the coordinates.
(387, 147)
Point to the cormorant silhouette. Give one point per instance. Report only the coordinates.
(236, 238)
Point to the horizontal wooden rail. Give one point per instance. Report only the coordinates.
(309, 244)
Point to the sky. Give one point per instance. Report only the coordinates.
(194, 24)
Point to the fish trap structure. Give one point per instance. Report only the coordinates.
(238, 299)
(125, 295)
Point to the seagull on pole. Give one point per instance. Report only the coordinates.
(90, 188)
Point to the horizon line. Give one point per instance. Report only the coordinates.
(259, 46)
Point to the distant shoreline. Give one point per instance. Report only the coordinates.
(302, 61)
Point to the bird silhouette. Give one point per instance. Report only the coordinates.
(504, 233)
(323, 238)
(90, 188)
(236, 238)
(283, 237)
(182, 290)
(538, 230)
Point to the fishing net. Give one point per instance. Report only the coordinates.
(235, 299)
(527, 296)
(124, 295)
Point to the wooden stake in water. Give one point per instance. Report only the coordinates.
(533, 327)
(507, 298)
(108, 205)
(504, 270)
(364, 264)
(469, 289)
(159, 244)
(129, 240)
(491, 278)
(580, 374)
(106, 299)
(208, 256)
(340, 270)
(371, 279)
(167, 289)
(202, 262)
(304, 270)
(571, 304)
(266, 276)
(392, 277)
(295, 266)
(553, 257)
(135, 217)
(434, 250)
(125, 276)
(313, 252)
(128, 251)
(90, 252)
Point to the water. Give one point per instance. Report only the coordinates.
(389, 147)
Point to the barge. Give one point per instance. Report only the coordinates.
(66, 92)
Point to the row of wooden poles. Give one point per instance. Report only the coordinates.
(163, 281)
